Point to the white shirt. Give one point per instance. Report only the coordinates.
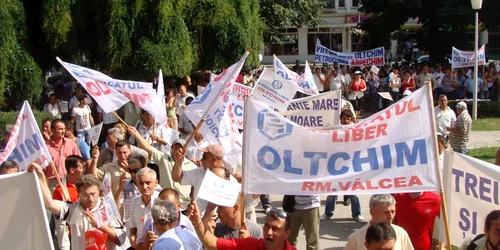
(75, 103)
(53, 110)
(72, 213)
(347, 79)
(356, 241)
(178, 239)
(396, 81)
(140, 212)
(181, 103)
(440, 75)
(82, 118)
(160, 131)
(336, 82)
(318, 81)
(107, 118)
(185, 123)
(444, 119)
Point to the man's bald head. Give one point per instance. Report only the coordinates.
(171, 195)
(221, 172)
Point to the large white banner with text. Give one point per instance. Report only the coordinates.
(464, 59)
(316, 112)
(363, 58)
(471, 190)
(377, 155)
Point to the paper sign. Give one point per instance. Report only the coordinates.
(106, 183)
(386, 95)
(274, 90)
(94, 133)
(393, 76)
(374, 69)
(219, 191)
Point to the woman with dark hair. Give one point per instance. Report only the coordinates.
(357, 89)
(171, 106)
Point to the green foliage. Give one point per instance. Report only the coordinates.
(57, 21)
(484, 154)
(443, 22)
(20, 76)
(278, 14)
(10, 117)
(486, 124)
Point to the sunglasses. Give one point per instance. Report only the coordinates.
(277, 213)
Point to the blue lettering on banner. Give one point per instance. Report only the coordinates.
(468, 221)
(481, 188)
(27, 148)
(238, 110)
(402, 152)
(271, 127)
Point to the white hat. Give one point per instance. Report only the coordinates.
(407, 93)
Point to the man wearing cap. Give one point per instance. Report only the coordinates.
(212, 157)
(166, 165)
(459, 133)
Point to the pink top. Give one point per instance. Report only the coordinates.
(68, 148)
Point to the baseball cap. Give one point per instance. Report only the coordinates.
(357, 72)
(461, 105)
(214, 149)
(179, 141)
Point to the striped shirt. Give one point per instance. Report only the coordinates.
(463, 123)
(303, 202)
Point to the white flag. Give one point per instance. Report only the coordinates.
(94, 133)
(219, 191)
(26, 144)
(306, 82)
(274, 90)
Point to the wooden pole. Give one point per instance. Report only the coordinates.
(242, 208)
(59, 183)
(438, 169)
(198, 126)
(120, 119)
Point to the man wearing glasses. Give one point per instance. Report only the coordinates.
(79, 215)
(276, 231)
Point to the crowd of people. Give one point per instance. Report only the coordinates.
(154, 181)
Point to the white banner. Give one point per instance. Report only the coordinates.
(212, 106)
(26, 144)
(377, 155)
(94, 133)
(471, 190)
(464, 59)
(219, 191)
(107, 211)
(362, 58)
(237, 102)
(23, 222)
(316, 112)
(306, 82)
(386, 95)
(108, 98)
(274, 90)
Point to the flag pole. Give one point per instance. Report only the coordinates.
(120, 119)
(438, 168)
(209, 109)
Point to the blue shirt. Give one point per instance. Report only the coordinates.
(84, 148)
(178, 239)
(469, 84)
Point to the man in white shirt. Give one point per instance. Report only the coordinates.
(193, 152)
(382, 208)
(347, 80)
(53, 107)
(140, 206)
(337, 82)
(319, 79)
(74, 102)
(181, 99)
(445, 116)
(184, 123)
(82, 118)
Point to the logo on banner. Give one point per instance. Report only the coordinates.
(277, 84)
(219, 185)
(273, 127)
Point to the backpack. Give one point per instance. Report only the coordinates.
(473, 246)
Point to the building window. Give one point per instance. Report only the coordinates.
(329, 37)
(355, 3)
(329, 4)
(341, 3)
(360, 43)
(290, 44)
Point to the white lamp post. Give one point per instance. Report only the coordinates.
(476, 6)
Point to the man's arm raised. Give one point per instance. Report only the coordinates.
(141, 142)
(177, 169)
(53, 205)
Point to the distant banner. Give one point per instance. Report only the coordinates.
(306, 82)
(219, 191)
(274, 90)
(363, 58)
(26, 144)
(372, 157)
(471, 189)
(464, 59)
(94, 133)
(316, 112)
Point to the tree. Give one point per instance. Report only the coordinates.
(20, 76)
(278, 14)
(444, 22)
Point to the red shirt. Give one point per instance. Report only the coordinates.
(246, 244)
(73, 194)
(405, 85)
(59, 156)
(416, 217)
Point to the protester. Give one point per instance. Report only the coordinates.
(75, 102)
(181, 99)
(373, 83)
(171, 105)
(82, 118)
(337, 81)
(426, 78)
(172, 236)
(80, 215)
(140, 206)
(306, 214)
(276, 231)
(416, 215)
(82, 145)
(319, 79)
(356, 89)
(184, 123)
(166, 165)
(108, 154)
(490, 240)
(408, 82)
(395, 85)
(380, 236)
(9, 167)
(193, 152)
(445, 116)
(459, 132)
(148, 236)
(46, 133)
(151, 130)
(59, 149)
(53, 107)
(382, 209)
